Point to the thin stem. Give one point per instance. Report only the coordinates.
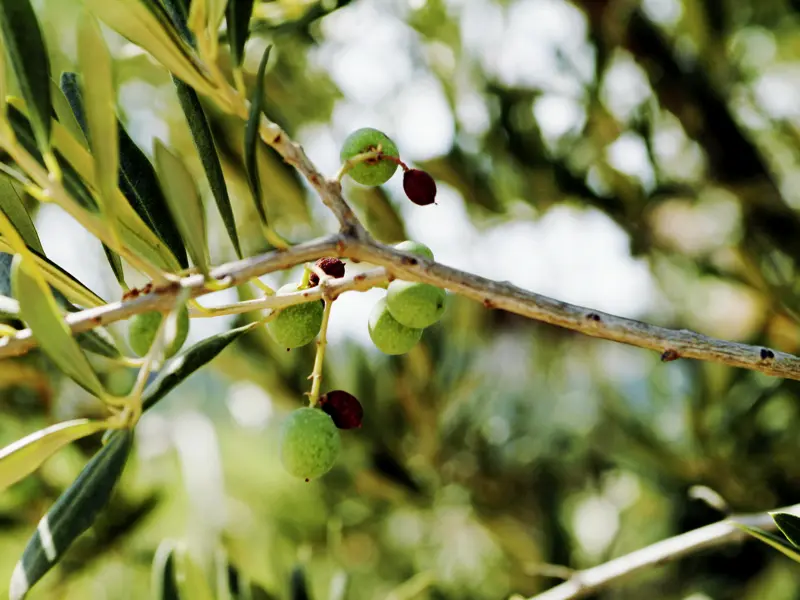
(322, 342)
(589, 581)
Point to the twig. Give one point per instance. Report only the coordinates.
(162, 299)
(589, 581)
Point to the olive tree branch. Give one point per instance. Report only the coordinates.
(586, 582)
(671, 343)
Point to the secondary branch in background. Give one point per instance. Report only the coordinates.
(586, 582)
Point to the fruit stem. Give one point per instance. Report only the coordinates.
(306, 277)
(316, 374)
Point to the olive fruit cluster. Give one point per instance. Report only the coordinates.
(397, 320)
(309, 440)
(418, 185)
(298, 325)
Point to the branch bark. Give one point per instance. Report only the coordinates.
(589, 581)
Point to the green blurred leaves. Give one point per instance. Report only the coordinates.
(237, 18)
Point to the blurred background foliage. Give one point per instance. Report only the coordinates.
(635, 156)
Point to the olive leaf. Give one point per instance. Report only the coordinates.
(65, 115)
(298, 588)
(189, 361)
(23, 457)
(251, 138)
(60, 279)
(184, 204)
(206, 148)
(101, 125)
(191, 581)
(40, 312)
(137, 178)
(789, 526)
(72, 514)
(780, 544)
(162, 580)
(237, 19)
(14, 208)
(26, 51)
(147, 24)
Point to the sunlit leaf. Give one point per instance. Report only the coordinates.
(65, 115)
(40, 312)
(776, 542)
(27, 54)
(23, 457)
(789, 525)
(206, 148)
(101, 124)
(190, 579)
(162, 581)
(11, 204)
(251, 139)
(184, 204)
(72, 514)
(176, 9)
(189, 361)
(146, 24)
(237, 18)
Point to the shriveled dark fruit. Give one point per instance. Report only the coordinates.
(415, 304)
(389, 336)
(419, 186)
(375, 171)
(309, 443)
(343, 408)
(296, 325)
(331, 266)
(415, 248)
(143, 327)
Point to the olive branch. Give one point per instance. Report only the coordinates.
(73, 161)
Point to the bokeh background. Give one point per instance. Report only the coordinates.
(635, 156)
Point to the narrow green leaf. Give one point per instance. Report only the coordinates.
(40, 312)
(26, 51)
(66, 116)
(298, 589)
(14, 208)
(163, 584)
(251, 138)
(115, 262)
(189, 577)
(206, 148)
(101, 116)
(216, 12)
(184, 204)
(72, 182)
(98, 341)
(72, 514)
(61, 280)
(137, 179)
(177, 11)
(189, 361)
(789, 525)
(146, 24)
(237, 18)
(23, 457)
(779, 544)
